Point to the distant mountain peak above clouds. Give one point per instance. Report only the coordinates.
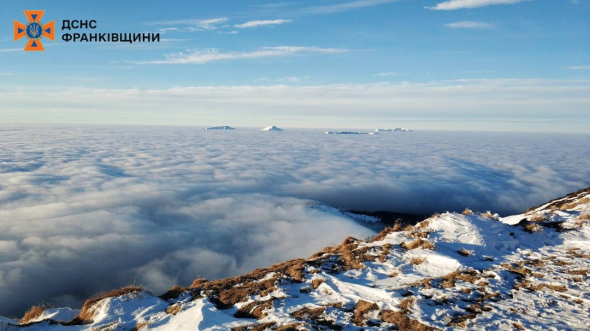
(272, 128)
(469, 270)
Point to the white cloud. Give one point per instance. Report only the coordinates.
(7, 50)
(578, 68)
(348, 5)
(465, 4)
(469, 25)
(254, 24)
(291, 79)
(213, 55)
(164, 30)
(388, 73)
(197, 24)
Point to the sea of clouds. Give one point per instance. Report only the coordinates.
(85, 209)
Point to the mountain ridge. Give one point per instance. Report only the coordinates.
(472, 271)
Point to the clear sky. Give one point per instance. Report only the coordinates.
(426, 64)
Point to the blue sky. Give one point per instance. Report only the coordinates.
(432, 64)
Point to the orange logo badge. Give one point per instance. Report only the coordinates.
(34, 30)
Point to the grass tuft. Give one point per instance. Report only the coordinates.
(32, 314)
(467, 211)
(416, 260)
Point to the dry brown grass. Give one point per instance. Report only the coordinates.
(289, 327)
(487, 214)
(198, 282)
(488, 296)
(87, 312)
(474, 308)
(538, 217)
(467, 211)
(580, 255)
(174, 292)
(408, 228)
(532, 228)
(384, 252)
(426, 283)
(360, 310)
(535, 262)
(174, 309)
(464, 252)
(403, 322)
(407, 303)
(317, 282)
(584, 217)
(522, 271)
(461, 320)
(254, 309)
(351, 256)
(31, 314)
(417, 234)
(567, 206)
(424, 224)
(397, 227)
(416, 260)
(558, 288)
(140, 325)
(255, 327)
(580, 272)
(527, 284)
(518, 326)
(449, 280)
(574, 204)
(308, 313)
(335, 304)
(229, 291)
(418, 243)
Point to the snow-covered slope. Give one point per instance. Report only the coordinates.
(469, 270)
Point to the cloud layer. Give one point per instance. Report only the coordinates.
(86, 209)
(213, 55)
(195, 24)
(257, 23)
(469, 25)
